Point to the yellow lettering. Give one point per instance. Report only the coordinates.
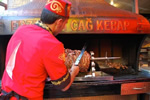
(126, 24)
(28, 22)
(99, 25)
(89, 25)
(74, 25)
(119, 26)
(106, 25)
(81, 25)
(113, 25)
(14, 25)
(21, 22)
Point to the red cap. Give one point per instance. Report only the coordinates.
(59, 7)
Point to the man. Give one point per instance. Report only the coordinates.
(33, 54)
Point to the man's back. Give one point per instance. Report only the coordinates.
(30, 44)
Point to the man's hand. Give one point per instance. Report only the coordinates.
(74, 70)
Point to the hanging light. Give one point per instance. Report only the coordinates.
(112, 2)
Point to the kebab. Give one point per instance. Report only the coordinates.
(71, 56)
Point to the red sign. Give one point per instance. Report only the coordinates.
(90, 25)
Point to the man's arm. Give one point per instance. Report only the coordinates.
(73, 72)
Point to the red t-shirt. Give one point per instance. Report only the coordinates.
(32, 55)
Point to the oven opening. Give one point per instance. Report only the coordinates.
(120, 50)
(126, 47)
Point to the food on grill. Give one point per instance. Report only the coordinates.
(71, 56)
(146, 46)
(116, 68)
(117, 65)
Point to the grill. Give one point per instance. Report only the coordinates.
(114, 39)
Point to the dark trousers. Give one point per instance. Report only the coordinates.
(7, 95)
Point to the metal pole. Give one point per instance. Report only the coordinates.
(135, 7)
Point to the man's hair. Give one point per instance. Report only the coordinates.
(49, 17)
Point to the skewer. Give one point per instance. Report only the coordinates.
(104, 58)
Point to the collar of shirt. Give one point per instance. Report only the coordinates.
(44, 26)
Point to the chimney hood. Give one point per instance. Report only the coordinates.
(86, 17)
